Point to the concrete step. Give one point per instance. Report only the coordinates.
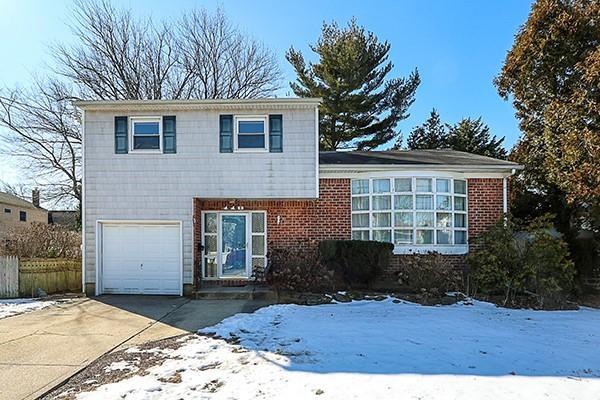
(235, 293)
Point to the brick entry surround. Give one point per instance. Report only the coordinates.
(305, 222)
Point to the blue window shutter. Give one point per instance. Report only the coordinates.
(276, 133)
(169, 135)
(226, 133)
(121, 135)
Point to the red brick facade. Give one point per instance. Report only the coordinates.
(485, 204)
(306, 222)
(292, 223)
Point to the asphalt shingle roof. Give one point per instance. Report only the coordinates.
(410, 157)
(8, 198)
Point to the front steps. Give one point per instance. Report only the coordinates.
(248, 292)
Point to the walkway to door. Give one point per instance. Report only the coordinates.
(41, 349)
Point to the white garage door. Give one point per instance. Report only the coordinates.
(141, 259)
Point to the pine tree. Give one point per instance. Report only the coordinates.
(473, 136)
(430, 135)
(360, 107)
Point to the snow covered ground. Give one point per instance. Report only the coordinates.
(380, 350)
(10, 307)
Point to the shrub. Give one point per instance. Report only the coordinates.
(39, 240)
(532, 261)
(298, 270)
(358, 263)
(428, 273)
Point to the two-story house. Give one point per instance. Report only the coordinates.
(179, 193)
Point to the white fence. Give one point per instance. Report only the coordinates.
(9, 277)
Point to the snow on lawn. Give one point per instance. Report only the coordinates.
(10, 307)
(381, 350)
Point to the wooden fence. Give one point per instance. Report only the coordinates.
(51, 275)
(9, 277)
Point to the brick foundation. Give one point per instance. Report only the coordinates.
(303, 223)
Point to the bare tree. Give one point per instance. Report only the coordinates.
(120, 57)
(223, 63)
(117, 56)
(43, 132)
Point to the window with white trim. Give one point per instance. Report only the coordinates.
(410, 212)
(146, 134)
(251, 133)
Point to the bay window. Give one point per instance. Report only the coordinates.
(411, 212)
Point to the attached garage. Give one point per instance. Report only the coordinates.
(140, 258)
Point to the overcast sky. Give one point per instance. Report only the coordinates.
(458, 46)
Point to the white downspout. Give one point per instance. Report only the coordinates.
(504, 196)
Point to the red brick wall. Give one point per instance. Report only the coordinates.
(292, 223)
(485, 204)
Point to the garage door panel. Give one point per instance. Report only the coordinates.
(141, 259)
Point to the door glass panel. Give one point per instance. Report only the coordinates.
(233, 245)
(258, 222)
(210, 223)
(258, 245)
(210, 267)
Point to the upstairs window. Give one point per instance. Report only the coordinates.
(146, 134)
(23, 216)
(251, 133)
(7, 210)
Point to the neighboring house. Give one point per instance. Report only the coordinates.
(180, 194)
(67, 218)
(16, 212)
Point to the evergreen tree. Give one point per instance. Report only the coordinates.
(430, 135)
(360, 106)
(473, 136)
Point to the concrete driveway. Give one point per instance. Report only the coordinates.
(41, 349)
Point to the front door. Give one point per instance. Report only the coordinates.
(234, 246)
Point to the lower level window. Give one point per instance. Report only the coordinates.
(410, 212)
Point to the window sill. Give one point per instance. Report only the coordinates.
(251, 151)
(449, 250)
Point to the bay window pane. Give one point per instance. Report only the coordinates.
(403, 184)
(382, 220)
(443, 202)
(444, 220)
(460, 186)
(460, 237)
(382, 202)
(360, 186)
(403, 219)
(444, 236)
(424, 237)
(442, 185)
(360, 203)
(424, 219)
(382, 236)
(403, 236)
(403, 202)
(360, 220)
(460, 204)
(424, 201)
(360, 235)
(381, 185)
(424, 185)
(460, 220)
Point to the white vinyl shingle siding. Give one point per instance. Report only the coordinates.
(160, 186)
